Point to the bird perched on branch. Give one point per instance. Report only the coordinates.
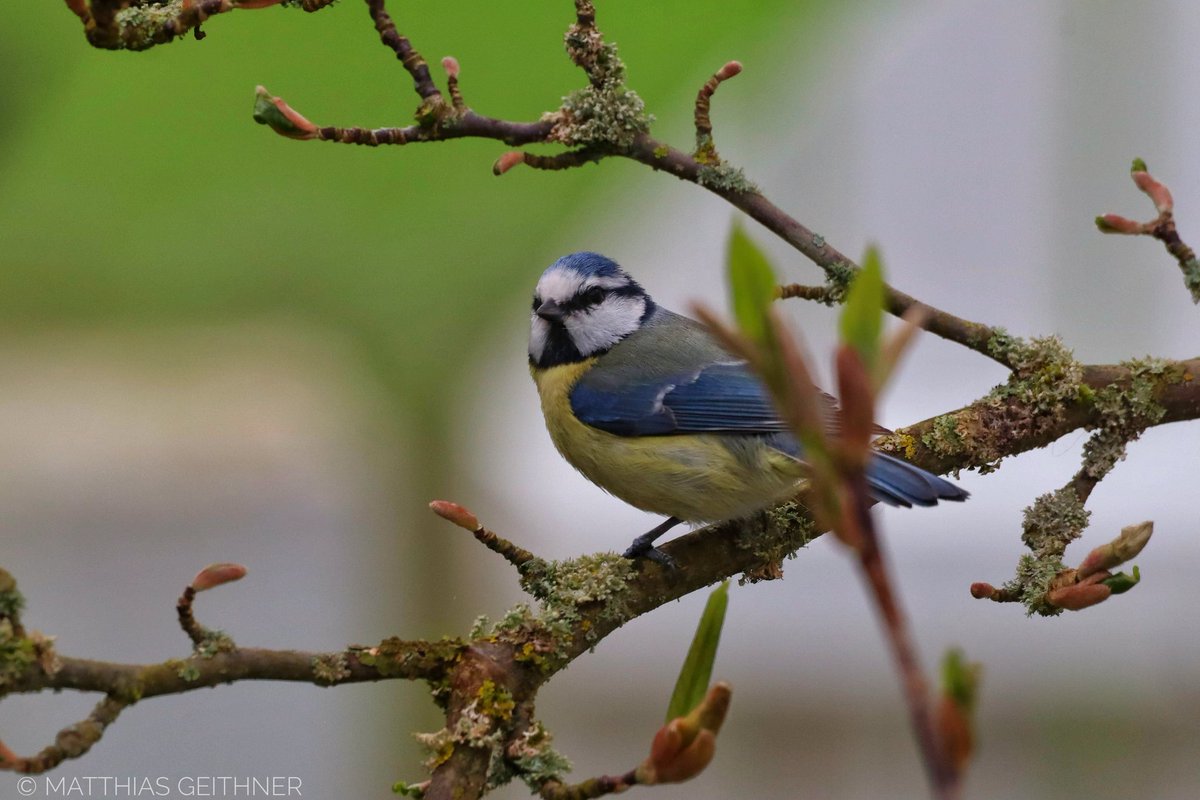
(649, 407)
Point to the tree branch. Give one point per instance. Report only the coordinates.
(487, 685)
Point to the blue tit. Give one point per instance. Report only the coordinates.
(649, 407)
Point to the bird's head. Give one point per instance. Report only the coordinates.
(582, 306)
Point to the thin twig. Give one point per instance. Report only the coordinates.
(591, 788)
(518, 556)
(706, 149)
(450, 64)
(187, 620)
(656, 155)
(819, 294)
(408, 55)
(567, 160)
(895, 625)
(72, 741)
(468, 125)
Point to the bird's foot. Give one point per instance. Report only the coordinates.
(643, 546)
(647, 550)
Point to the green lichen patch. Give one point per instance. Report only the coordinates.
(138, 24)
(1191, 277)
(608, 115)
(1125, 412)
(17, 654)
(725, 178)
(186, 670)
(598, 578)
(573, 596)
(533, 758)
(777, 535)
(495, 701)
(473, 728)
(438, 745)
(1045, 371)
(11, 600)
(1051, 523)
(395, 656)
(21, 654)
(330, 668)
(943, 437)
(605, 113)
(214, 642)
(838, 277)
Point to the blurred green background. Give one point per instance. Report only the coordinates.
(218, 344)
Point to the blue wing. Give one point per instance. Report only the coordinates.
(641, 388)
(727, 398)
(720, 398)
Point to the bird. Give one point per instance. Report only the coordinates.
(648, 406)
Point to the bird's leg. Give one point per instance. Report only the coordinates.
(643, 546)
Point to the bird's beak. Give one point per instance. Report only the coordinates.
(551, 311)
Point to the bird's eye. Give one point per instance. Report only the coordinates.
(536, 302)
(593, 296)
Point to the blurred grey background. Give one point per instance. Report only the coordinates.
(220, 345)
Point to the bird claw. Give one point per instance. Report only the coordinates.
(649, 551)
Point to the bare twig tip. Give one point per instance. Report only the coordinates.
(453, 512)
(217, 574)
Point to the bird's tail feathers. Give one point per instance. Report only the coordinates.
(899, 483)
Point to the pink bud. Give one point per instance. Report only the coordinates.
(1157, 192)
(1114, 223)
(453, 512)
(858, 405)
(281, 117)
(216, 574)
(1121, 549)
(690, 762)
(450, 64)
(1079, 596)
(684, 746)
(507, 162)
(667, 743)
(729, 70)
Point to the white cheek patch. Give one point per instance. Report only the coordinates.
(539, 332)
(601, 327)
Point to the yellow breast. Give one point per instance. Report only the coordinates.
(695, 477)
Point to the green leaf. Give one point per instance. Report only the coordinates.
(697, 667)
(960, 679)
(752, 284)
(1122, 582)
(1138, 166)
(862, 317)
